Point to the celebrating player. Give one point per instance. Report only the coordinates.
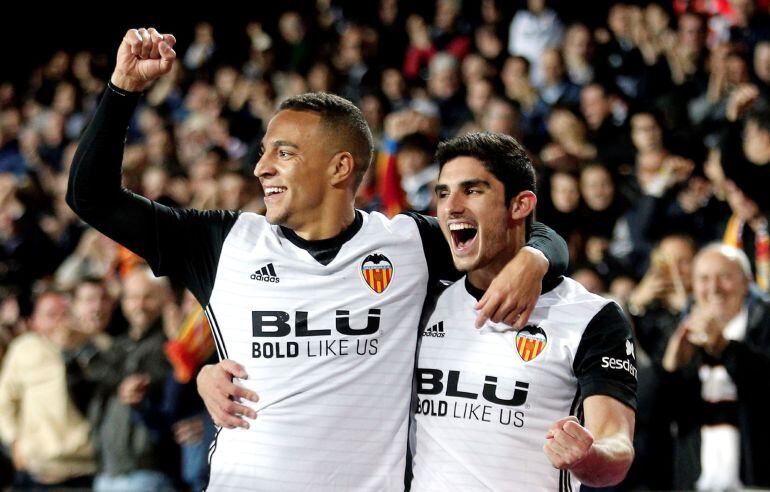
(490, 401)
(318, 302)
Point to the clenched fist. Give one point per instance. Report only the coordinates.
(143, 56)
(567, 443)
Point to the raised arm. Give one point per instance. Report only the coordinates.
(181, 243)
(94, 190)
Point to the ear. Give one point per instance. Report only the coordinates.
(522, 205)
(343, 168)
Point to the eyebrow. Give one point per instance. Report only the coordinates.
(280, 143)
(468, 183)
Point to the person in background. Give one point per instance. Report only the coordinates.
(48, 437)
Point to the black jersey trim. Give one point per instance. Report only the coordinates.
(325, 250)
(212, 448)
(219, 341)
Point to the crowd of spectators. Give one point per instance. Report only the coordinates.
(650, 131)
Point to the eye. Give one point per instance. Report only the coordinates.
(473, 191)
(283, 154)
(441, 194)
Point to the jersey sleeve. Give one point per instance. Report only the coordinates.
(439, 256)
(437, 253)
(183, 244)
(605, 361)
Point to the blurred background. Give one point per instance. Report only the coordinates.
(647, 122)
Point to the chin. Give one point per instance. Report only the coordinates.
(465, 264)
(275, 217)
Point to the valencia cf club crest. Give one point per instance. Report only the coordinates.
(530, 342)
(377, 271)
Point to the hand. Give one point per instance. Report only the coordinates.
(704, 329)
(653, 286)
(567, 443)
(133, 388)
(143, 56)
(188, 431)
(742, 98)
(417, 31)
(401, 123)
(512, 295)
(216, 388)
(677, 169)
(679, 350)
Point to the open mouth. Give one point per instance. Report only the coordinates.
(271, 191)
(463, 235)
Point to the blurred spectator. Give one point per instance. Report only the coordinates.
(418, 172)
(605, 116)
(655, 306)
(717, 358)
(559, 208)
(445, 90)
(293, 48)
(132, 456)
(619, 48)
(202, 49)
(578, 55)
(48, 436)
(570, 146)
(555, 89)
(533, 30)
(93, 307)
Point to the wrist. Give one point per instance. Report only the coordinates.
(538, 256)
(576, 466)
(125, 83)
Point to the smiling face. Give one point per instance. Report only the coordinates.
(294, 168)
(474, 216)
(719, 283)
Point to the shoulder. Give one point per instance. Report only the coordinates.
(570, 294)
(404, 224)
(29, 350)
(248, 223)
(26, 341)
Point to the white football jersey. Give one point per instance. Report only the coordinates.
(328, 348)
(486, 398)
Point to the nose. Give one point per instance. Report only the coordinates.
(712, 285)
(454, 204)
(264, 167)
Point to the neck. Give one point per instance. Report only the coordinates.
(327, 221)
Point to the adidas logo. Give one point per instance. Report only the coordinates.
(266, 274)
(436, 330)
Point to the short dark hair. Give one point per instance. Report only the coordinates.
(502, 155)
(344, 120)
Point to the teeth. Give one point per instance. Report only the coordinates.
(272, 190)
(460, 226)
